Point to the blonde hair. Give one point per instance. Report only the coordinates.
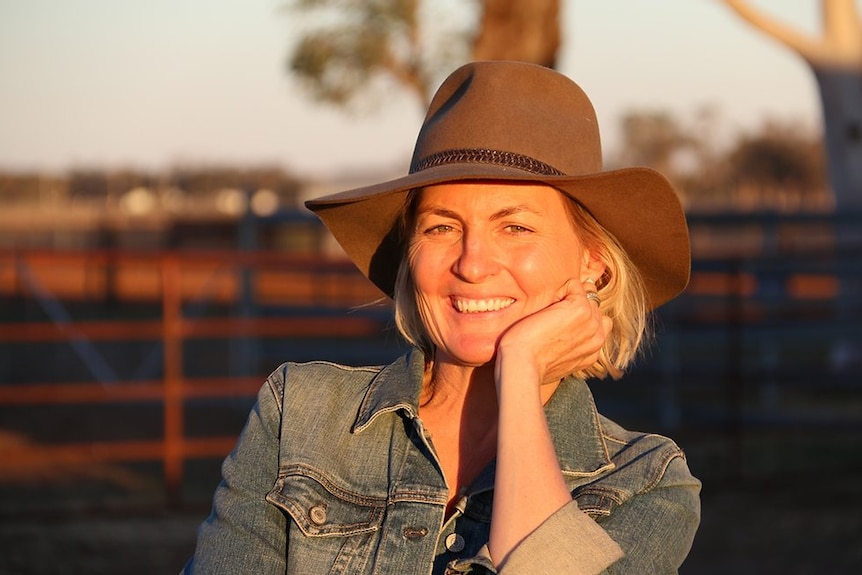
(621, 289)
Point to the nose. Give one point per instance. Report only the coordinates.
(477, 259)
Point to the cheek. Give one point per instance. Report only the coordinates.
(427, 276)
(425, 313)
(421, 268)
(425, 284)
(549, 269)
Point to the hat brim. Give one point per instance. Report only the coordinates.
(638, 206)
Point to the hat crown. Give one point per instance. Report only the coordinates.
(514, 114)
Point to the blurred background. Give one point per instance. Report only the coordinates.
(156, 262)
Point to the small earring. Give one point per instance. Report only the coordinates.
(590, 281)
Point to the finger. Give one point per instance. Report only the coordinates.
(567, 290)
(573, 290)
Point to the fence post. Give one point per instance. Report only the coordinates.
(734, 373)
(172, 346)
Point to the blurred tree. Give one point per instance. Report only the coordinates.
(700, 169)
(88, 185)
(206, 183)
(780, 167)
(20, 188)
(351, 46)
(836, 60)
(684, 151)
(651, 138)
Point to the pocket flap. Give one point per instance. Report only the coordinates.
(321, 508)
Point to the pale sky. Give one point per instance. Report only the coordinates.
(156, 83)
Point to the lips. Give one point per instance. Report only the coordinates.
(465, 305)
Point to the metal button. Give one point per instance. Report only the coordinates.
(454, 542)
(317, 514)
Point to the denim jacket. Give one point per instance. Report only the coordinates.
(334, 473)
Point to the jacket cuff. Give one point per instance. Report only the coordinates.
(569, 541)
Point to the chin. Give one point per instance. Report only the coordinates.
(477, 363)
(473, 357)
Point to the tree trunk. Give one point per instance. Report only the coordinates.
(524, 30)
(841, 99)
(835, 58)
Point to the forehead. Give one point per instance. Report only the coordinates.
(489, 197)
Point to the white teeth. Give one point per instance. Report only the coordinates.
(481, 305)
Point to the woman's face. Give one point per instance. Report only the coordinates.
(484, 255)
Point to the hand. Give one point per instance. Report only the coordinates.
(560, 339)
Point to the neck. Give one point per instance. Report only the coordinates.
(457, 387)
(453, 385)
(458, 407)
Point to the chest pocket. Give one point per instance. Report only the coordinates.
(321, 508)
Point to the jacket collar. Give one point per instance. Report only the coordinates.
(572, 416)
(397, 386)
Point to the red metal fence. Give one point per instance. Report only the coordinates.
(771, 303)
(172, 278)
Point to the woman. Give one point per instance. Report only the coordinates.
(518, 269)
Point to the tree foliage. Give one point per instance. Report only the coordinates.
(651, 138)
(780, 165)
(350, 46)
(779, 154)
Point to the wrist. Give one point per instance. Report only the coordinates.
(516, 375)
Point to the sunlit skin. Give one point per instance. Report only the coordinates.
(486, 255)
(501, 278)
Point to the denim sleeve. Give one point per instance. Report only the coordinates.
(656, 527)
(244, 533)
(650, 532)
(568, 542)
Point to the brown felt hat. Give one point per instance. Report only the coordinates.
(517, 122)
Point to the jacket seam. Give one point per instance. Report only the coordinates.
(666, 452)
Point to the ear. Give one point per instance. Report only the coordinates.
(592, 267)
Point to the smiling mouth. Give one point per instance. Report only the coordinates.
(481, 305)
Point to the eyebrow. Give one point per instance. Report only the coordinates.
(499, 214)
(512, 210)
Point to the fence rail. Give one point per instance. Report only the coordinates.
(170, 280)
(768, 309)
